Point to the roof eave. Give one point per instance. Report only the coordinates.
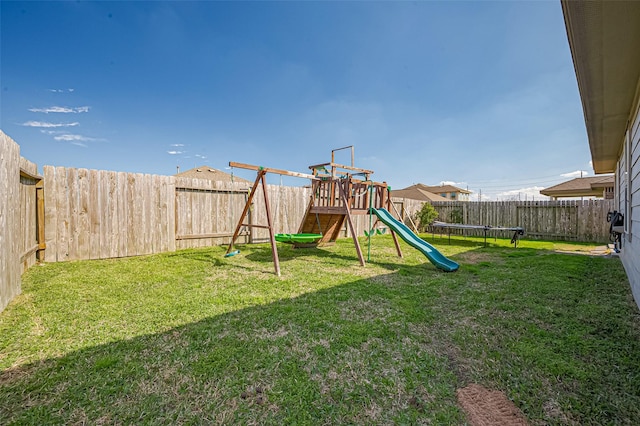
(604, 38)
(575, 193)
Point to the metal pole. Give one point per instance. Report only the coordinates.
(370, 221)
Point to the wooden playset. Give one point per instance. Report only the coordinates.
(338, 193)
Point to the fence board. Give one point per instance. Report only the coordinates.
(169, 201)
(156, 214)
(93, 213)
(74, 224)
(50, 214)
(84, 231)
(10, 234)
(131, 215)
(148, 214)
(64, 213)
(122, 225)
(104, 206)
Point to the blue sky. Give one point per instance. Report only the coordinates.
(479, 94)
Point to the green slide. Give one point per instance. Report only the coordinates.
(416, 242)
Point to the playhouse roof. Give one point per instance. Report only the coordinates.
(206, 172)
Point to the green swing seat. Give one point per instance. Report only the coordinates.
(298, 238)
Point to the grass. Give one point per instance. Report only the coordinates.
(192, 337)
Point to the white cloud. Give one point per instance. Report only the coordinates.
(201, 156)
(530, 193)
(49, 125)
(576, 174)
(175, 152)
(177, 144)
(67, 137)
(61, 90)
(452, 183)
(60, 109)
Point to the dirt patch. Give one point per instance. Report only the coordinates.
(475, 257)
(485, 407)
(586, 250)
(12, 375)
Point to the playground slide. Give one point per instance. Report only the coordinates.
(434, 256)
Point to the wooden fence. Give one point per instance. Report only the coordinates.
(10, 232)
(74, 214)
(96, 214)
(21, 218)
(570, 220)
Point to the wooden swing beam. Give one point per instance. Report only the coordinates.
(270, 170)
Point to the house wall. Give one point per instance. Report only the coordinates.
(628, 200)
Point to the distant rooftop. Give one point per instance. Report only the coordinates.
(206, 172)
(423, 192)
(415, 193)
(442, 188)
(592, 186)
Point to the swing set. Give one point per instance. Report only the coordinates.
(339, 192)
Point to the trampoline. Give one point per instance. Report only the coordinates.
(517, 231)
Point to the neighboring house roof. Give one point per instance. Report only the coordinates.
(604, 38)
(581, 187)
(444, 188)
(423, 192)
(439, 189)
(414, 193)
(206, 172)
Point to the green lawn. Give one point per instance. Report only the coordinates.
(192, 337)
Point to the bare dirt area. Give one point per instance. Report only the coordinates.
(474, 258)
(485, 407)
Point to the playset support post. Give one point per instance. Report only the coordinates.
(260, 179)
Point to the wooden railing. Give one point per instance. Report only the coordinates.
(360, 195)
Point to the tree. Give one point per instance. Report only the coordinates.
(425, 216)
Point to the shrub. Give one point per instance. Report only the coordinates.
(425, 216)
